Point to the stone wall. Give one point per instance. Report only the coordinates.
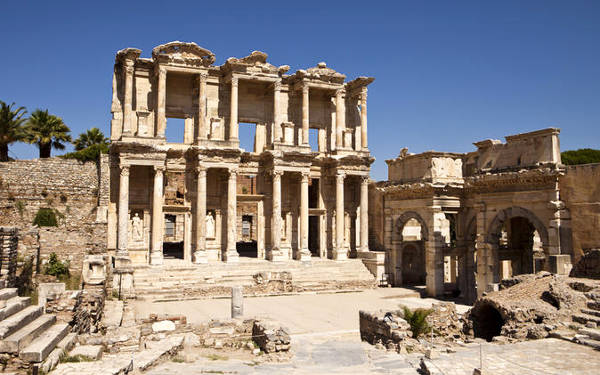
(580, 191)
(72, 189)
(8, 254)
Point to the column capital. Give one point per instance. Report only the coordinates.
(340, 92)
(202, 77)
(277, 85)
(159, 168)
(161, 70)
(364, 180)
(233, 172)
(340, 175)
(305, 176)
(124, 170)
(234, 81)
(305, 88)
(201, 170)
(277, 173)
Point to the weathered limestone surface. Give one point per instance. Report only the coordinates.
(270, 336)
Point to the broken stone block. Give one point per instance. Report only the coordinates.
(270, 336)
(162, 326)
(92, 352)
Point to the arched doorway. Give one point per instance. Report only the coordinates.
(519, 240)
(411, 235)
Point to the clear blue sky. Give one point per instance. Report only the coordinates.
(448, 73)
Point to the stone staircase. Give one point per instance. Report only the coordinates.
(25, 331)
(180, 281)
(590, 318)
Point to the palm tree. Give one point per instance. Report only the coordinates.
(10, 127)
(47, 131)
(91, 137)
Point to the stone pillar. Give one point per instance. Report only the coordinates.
(434, 255)
(200, 222)
(231, 254)
(161, 96)
(128, 94)
(363, 118)
(304, 253)
(123, 233)
(364, 214)
(276, 253)
(237, 302)
(156, 256)
(340, 119)
(233, 108)
(305, 115)
(339, 252)
(201, 124)
(276, 115)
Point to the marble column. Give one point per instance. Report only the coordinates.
(233, 110)
(340, 252)
(156, 255)
(201, 131)
(305, 115)
(364, 214)
(276, 114)
(127, 100)
(123, 232)
(304, 253)
(231, 254)
(161, 96)
(340, 119)
(200, 222)
(363, 118)
(276, 213)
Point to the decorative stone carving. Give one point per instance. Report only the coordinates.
(137, 228)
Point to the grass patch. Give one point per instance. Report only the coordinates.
(216, 357)
(74, 358)
(178, 359)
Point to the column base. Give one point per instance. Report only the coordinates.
(200, 257)
(156, 258)
(277, 255)
(340, 254)
(231, 256)
(303, 255)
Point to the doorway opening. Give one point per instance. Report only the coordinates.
(247, 247)
(172, 241)
(413, 265)
(313, 235)
(487, 322)
(313, 193)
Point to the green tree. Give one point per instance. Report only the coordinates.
(581, 156)
(47, 132)
(91, 137)
(11, 129)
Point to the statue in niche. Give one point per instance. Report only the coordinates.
(283, 226)
(137, 228)
(210, 225)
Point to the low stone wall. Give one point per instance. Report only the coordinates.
(588, 266)
(8, 255)
(386, 329)
(270, 336)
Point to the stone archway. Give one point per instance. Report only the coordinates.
(409, 250)
(514, 250)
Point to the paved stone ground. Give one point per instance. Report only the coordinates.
(302, 313)
(347, 355)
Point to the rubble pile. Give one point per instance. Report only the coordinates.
(270, 336)
(446, 322)
(527, 307)
(88, 311)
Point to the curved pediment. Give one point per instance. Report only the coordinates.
(184, 53)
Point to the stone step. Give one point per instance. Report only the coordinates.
(14, 305)
(593, 333)
(45, 343)
(7, 293)
(589, 342)
(591, 312)
(19, 320)
(585, 318)
(24, 336)
(62, 348)
(593, 305)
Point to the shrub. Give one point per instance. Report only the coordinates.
(45, 217)
(20, 205)
(57, 268)
(581, 156)
(417, 320)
